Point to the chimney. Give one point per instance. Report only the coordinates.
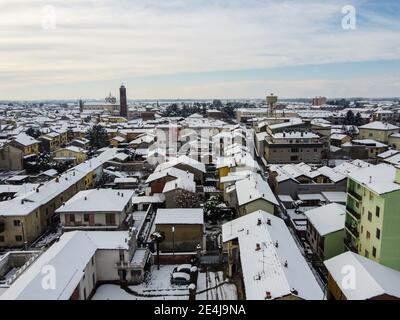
(85, 198)
(269, 222)
(276, 244)
(268, 295)
(57, 179)
(258, 221)
(370, 179)
(286, 264)
(258, 247)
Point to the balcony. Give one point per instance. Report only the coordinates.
(349, 243)
(353, 213)
(354, 195)
(353, 230)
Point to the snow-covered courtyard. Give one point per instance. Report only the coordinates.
(157, 286)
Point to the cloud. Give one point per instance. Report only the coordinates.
(110, 39)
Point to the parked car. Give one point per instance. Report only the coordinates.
(183, 268)
(180, 278)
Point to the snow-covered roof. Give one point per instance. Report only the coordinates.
(371, 279)
(252, 188)
(25, 140)
(388, 153)
(172, 162)
(97, 200)
(335, 196)
(69, 257)
(155, 198)
(264, 269)
(379, 125)
(29, 202)
(378, 178)
(327, 219)
(179, 216)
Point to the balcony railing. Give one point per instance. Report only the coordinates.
(354, 195)
(353, 213)
(348, 242)
(353, 230)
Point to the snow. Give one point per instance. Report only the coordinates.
(387, 154)
(172, 162)
(25, 140)
(378, 125)
(264, 270)
(371, 278)
(179, 216)
(327, 219)
(155, 198)
(97, 200)
(253, 188)
(378, 178)
(335, 196)
(157, 286)
(208, 281)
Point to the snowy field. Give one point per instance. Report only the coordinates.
(158, 287)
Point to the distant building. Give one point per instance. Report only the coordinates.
(295, 146)
(318, 101)
(123, 106)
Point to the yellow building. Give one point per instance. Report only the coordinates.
(75, 154)
(377, 130)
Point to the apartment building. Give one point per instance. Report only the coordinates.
(294, 147)
(372, 220)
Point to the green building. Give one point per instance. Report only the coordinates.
(325, 230)
(372, 225)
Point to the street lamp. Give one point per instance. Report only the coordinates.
(173, 242)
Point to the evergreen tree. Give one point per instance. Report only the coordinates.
(98, 137)
(350, 119)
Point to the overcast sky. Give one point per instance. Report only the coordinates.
(59, 49)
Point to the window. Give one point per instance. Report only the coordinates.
(366, 254)
(294, 150)
(17, 223)
(136, 273)
(18, 238)
(92, 260)
(377, 211)
(94, 280)
(368, 235)
(371, 196)
(294, 158)
(369, 216)
(374, 252)
(1, 238)
(110, 219)
(378, 233)
(86, 217)
(72, 217)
